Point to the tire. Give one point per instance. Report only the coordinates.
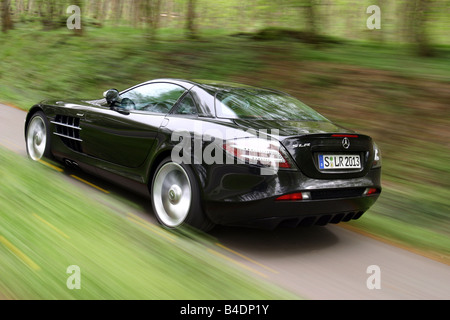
(175, 196)
(37, 137)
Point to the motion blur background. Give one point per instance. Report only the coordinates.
(391, 83)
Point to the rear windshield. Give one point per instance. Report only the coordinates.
(263, 104)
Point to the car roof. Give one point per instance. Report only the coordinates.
(212, 86)
(221, 85)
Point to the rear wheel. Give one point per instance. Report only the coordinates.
(175, 196)
(38, 137)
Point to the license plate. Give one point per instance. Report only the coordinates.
(339, 161)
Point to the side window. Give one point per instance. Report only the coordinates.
(152, 97)
(186, 106)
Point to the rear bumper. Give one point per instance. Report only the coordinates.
(269, 213)
(242, 198)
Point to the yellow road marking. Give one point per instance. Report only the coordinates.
(15, 145)
(19, 254)
(3, 145)
(138, 218)
(146, 226)
(51, 226)
(88, 183)
(51, 165)
(247, 258)
(237, 263)
(12, 106)
(7, 147)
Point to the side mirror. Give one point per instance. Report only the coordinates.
(111, 96)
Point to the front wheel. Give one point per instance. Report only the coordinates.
(175, 196)
(38, 137)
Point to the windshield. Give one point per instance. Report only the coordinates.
(263, 104)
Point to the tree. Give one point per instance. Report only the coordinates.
(152, 12)
(7, 23)
(420, 15)
(78, 32)
(414, 26)
(117, 9)
(191, 29)
(96, 8)
(47, 13)
(310, 17)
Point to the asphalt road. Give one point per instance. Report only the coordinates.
(316, 263)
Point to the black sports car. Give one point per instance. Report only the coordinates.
(211, 153)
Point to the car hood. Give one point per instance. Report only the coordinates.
(287, 128)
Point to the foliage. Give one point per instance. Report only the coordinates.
(423, 21)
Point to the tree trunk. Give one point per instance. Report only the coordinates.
(308, 8)
(191, 30)
(136, 13)
(424, 47)
(104, 11)
(19, 7)
(152, 13)
(117, 10)
(97, 7)
(30, 7)
(7, 23)
(310, 15)
(47, 19)
(79, 32)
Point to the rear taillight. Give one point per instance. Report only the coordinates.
(290, 197)
(295, 196)
(267, 153)
(370, 191)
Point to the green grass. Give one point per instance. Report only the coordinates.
(398, 58)
(37, 65)
(47, 225)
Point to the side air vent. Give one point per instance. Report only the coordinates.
(68, 129)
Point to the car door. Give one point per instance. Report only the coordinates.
(125, 136)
